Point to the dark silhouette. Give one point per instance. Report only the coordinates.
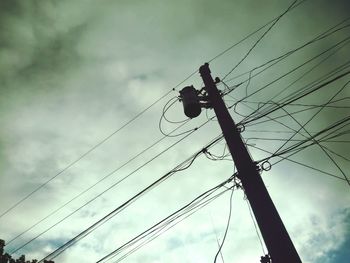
(6, 258)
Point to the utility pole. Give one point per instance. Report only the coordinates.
(275, 235)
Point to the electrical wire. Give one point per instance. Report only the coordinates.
(333, 152)
(308, 71)
(289, 115)
(289, 72)
(260, 38)
(92, 186)
(227, 227)
(318, 87)
(292, 140)
(255, 227)
(252, 33)
(166, 107)
(302, 105)
(126, 124)
(299, 145)
(158, 228)
(83, 155)
(302, 126)
(151, 238)
(307, 87)
(217, 238)
(272, 62)
(280, 58)
(127, 203)
(324, 105)
(344, 122)
(104, 191)
(97, 145)
(287, 158)
(250, 124)
(163, 112)
(303, 91)
(310, 119)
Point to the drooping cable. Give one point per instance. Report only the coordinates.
(227, 227)
(289, 72)
(93, 185)
(317, 142)
(104, 191)
(287, 158)
(72, 163)
(261, 37)
(164, 229)
(301, 145)
(252, 33)
(259, 110)
(318, 87)
(158, 228)
(310, 119)
(217, 238)
(272, 62)
(131, 120)
(256, 227)
(98, 223)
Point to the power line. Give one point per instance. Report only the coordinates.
(166, 228)
(227, 227)
(337, 154)
(84, 155)
(104, 191)
(324, 84)
(307, 87)
(312, 117)
(296, 146)
(312, 84)
(329, 32)
(160, 227)
(289, 72)
(292, 140)
(261, 37)
(128, 122)
(251, 34)
(73, 164)
(113, 134)
(93, 185)
(110, 215)
(301, 105)
(302, 126)
(255, 227)
(165, 108)
(217, 238)
(287, 158)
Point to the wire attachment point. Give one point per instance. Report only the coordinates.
(266, 166)
(240, 128)
(265, 259)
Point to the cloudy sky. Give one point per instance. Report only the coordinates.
(73, 72)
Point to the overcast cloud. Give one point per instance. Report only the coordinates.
(73, 72)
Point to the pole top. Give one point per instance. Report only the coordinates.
(204, 69)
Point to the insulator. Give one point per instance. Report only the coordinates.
(190, 101)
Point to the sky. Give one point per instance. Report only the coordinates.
(73, 72)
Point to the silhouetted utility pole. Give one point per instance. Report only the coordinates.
(277, 240)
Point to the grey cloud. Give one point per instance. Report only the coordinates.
(73, 71)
